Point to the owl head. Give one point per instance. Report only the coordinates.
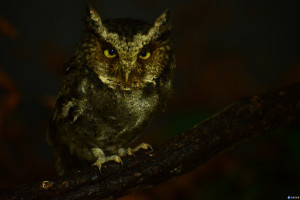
(128, 53)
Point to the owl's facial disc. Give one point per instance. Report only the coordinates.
(135, 51)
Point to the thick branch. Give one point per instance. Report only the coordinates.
(247, 118)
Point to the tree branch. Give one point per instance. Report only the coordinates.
(247, 118)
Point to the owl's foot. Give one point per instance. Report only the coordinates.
(123, 152)
(101, 158)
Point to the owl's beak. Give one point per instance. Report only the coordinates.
(127, 65)
(126, 77)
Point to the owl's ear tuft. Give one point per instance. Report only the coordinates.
(93, 19)
(161, 27)
(163, 21)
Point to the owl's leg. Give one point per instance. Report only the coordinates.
(123, 152)
(101, 158)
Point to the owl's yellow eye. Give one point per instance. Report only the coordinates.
(144, 55)
(110, 53)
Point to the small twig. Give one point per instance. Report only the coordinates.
(247, 118)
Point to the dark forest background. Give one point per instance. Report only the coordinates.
(225, 50)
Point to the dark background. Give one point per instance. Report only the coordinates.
(225, 50)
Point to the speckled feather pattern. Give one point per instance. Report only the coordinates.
(96, 105)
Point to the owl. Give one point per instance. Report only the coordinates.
(119, 77)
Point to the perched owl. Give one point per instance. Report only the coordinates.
(119, 77)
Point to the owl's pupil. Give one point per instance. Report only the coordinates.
(143, 53)
(111, 52)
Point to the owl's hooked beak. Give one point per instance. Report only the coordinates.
(127, 67)
(126, 77)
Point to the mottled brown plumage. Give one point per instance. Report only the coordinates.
(119, 77)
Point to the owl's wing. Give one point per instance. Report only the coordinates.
(68, 109)
(70, 103)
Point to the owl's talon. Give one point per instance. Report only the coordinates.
(143, 146)
(101, 158)
(130, 152)
(98, 164)
(123, 152)
(117, 159)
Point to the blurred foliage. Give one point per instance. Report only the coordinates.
(7, 29)
(177, 124)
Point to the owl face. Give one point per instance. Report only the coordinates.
(127, 53)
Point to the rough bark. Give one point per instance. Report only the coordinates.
(244, 119)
